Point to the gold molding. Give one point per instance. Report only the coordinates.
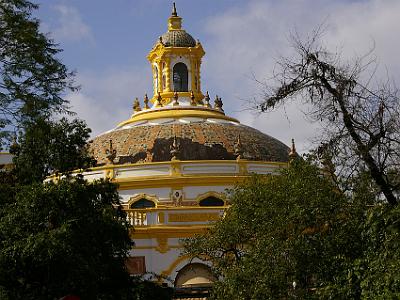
(177, 112)
(218, 195)
(167, 272)
(110, 174)
(133, 199)
(193, 217)
(176, 182)
(165, 208)
(183, 231)
(162, 244)
(154, 247)
(167, 180)
(187, 207)
(175, 263)
(176, 168)
(161, 217)
(206, 161)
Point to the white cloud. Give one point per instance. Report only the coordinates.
(249, 39)
(106, 98)
(70, 26)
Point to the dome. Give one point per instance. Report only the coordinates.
(178, 38)
(173, 160)
(200, 140)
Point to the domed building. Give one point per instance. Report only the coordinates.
(174, 159)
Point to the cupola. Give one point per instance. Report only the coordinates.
(175, 60)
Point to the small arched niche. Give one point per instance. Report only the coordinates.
(194, 275)
(180, 77)
(142, 203)
(211, 201)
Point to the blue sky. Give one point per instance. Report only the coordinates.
(106, 42)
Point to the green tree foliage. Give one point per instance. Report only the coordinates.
(148, 290)
(32, 78)
(63, 238)
(58, 238)
(378, 268)
(48, 147)
(293, 235)
(299, 228)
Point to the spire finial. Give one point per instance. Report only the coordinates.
(158, 100)
(111, 153)
(174, 21)
(292, 153)
(218, 103)
(176, 102)
(174, 14)
(175, 147)
(146, 102)
(207, 100)
(136, 105)
(238, 147)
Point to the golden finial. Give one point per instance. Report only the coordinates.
(176, 103)
(146, 102)
(192, 99)
(174, 14)
(111, 153)
(175, 147)
(136, 105)
(207, 100)
(218, 103)
(159, 100)
(238, 147)
(292, 153)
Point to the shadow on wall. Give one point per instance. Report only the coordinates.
(189, 150)
(185, 149)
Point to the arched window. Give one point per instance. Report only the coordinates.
(143, 203)
(194, 275)
(180, 77)
(211, 201)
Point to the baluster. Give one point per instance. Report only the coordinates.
(144, 218)
(137, 221)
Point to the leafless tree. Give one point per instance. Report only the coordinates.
(361, 117)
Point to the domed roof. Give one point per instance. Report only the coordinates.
(197, 141)
(178, 38)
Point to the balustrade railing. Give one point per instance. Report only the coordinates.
(137, 217)
(173, 216)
